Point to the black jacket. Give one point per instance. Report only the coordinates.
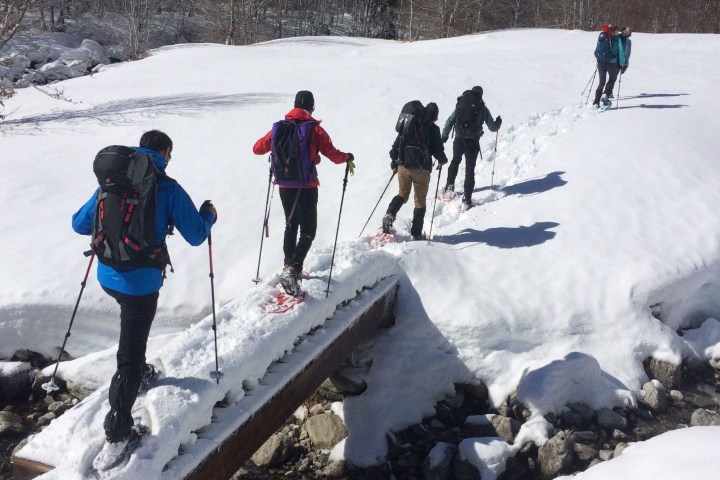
(434, 146)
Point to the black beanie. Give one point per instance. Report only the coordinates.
(305, 100)
(433, 111)
(478, 88)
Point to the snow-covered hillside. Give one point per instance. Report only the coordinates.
(597, 216)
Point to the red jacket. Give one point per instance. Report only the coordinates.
(320, 141)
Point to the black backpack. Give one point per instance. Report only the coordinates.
(123, 232)
(413, 128)
(467, 110)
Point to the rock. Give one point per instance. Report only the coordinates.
(584, 436)
(317, 409)
(479, 426)
(667, 373)
(14, 381)
(605, 455)
(571, 418)
(11, 425)
(655, 398)
(46, 419)
(701, 401)
(619, 449)
(704, 418)
(438, 463)
(505, 427)
(557, 455)
(334, 469)
(464, 470)
(587, 414)
(325, 430)
(37, 360)
(344, 381)
(58, 408)
(274, 452)
(611, 420)
(585, 452)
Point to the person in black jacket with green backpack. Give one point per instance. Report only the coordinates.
(467, 122)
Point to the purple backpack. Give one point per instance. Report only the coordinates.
(290, 158)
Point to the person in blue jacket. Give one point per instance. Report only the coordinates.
(137, 289)
(610, 58)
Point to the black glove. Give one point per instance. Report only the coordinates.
(207, 206)
(351, 157)
(623, 69)
(441, 162)
(498, 122)
(444, 138)
(393, 167)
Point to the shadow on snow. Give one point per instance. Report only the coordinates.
(503, 237)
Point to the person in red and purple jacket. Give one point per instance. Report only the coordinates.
(299, 197)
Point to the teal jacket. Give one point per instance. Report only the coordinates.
(484, 116)
(610, 50)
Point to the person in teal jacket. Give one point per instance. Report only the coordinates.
(610, 58)
(468, 145)
(137, 289)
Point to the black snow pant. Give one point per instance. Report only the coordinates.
(137, 313)
(470, 148)
(300, 206)
(605, 70)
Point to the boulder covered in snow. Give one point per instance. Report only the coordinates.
(40, 64)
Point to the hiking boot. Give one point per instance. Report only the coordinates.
(422, 236)
(449, 189)
(387, 223)
(467, 203)
(610, 95)
(150, 375)
(289, 281)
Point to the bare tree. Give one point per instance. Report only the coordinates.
(12, 13)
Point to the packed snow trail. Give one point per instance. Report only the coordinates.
(182, 402)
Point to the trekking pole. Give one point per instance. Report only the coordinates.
(592, 79)
(216, 374)
(265, 229)
(617, 104)
(342, 199)
(591, 84)
(50, 386)
(492, 177)
(437, 189)
(378, 202)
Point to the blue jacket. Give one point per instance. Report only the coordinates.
(609, 50)
(174, 206)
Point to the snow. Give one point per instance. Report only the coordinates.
(546, 287)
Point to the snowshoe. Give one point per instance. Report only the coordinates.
(289, 279)
(116, 454)
(415, 238)
(605, 103)
(283, 302)
(380, 239)
(448, 193)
